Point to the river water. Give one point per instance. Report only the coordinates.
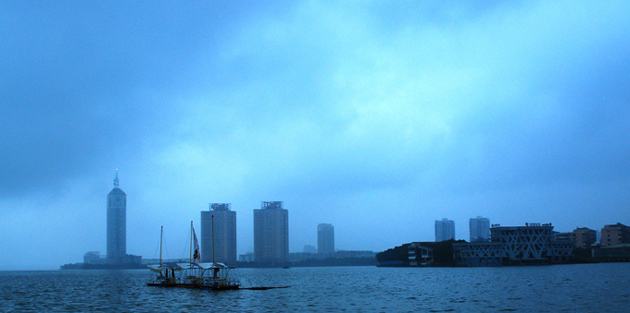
(557, 288)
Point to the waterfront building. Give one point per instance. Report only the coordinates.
(310, 249)
(325, 239)
(419, 254)
(563, 236)
(116, 224)
(479, 229)
(247, 257)
(94, 257)
(615, 234)
(271, 233)
(444, 230)
(616, 253)
(224, 234)
(530, 244)
(582, 237)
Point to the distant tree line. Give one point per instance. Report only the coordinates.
(399, 256)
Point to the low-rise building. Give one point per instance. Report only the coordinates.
(615, 234)
(419, 254)
(582, 237)
(514, 245)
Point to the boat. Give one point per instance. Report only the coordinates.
(193, 274)
(162, 270)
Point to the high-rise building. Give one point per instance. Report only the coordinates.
(479, 229)
(271, 233)
(444, 230)
(116, 224)
(224, 221)
(325, 239)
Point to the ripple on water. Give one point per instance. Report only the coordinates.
(352, 289)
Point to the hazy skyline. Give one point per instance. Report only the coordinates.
(378, 117)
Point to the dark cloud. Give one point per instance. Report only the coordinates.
(360, 115)
(83, 82)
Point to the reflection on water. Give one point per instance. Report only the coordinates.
(583, 288)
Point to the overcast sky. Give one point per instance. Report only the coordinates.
(378, 117)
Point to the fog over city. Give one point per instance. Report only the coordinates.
(378, 117)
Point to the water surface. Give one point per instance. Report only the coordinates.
(558, 288)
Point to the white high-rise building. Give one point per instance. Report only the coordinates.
(325, 239)
(271, 233)
(444, 230)
(224, 221)
(479, 229)
(116, 224)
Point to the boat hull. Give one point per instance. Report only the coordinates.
(194, 286)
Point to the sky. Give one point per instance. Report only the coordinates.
(378, 117)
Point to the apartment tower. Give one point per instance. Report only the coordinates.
(444, 230)
(479, 229)
(271, 233)
(224, 220)
(325, 239)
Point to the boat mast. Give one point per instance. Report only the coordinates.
(161, 234)
(191, 241)
(213, 264)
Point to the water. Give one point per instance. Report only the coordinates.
(568, 288)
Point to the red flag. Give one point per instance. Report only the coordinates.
(197, 255)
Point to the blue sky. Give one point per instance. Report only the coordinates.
(378, 117)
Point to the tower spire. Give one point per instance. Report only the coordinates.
(116, 184)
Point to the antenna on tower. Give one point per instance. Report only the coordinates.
(116, 184)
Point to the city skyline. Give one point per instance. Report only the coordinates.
(365, 114)
(273, 225)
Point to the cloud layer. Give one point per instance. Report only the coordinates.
(376, 117)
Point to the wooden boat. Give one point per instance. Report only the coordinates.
(214, 276)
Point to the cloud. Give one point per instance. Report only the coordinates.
(357, 113)
(422, 93)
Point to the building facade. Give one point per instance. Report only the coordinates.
(615, 234)
(515, 245)
(584, 237)
(271, 233)
(222, 219)
(479, 229)
(444, 230)
(581, 237)
(116, 225)
(325, 239)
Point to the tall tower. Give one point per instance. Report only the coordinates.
(444, 230)
(479, 229)
(224, 234)
(116, 224)
(271, 233)
(325, 239)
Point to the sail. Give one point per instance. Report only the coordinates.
(209, 265)
(158, 267)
